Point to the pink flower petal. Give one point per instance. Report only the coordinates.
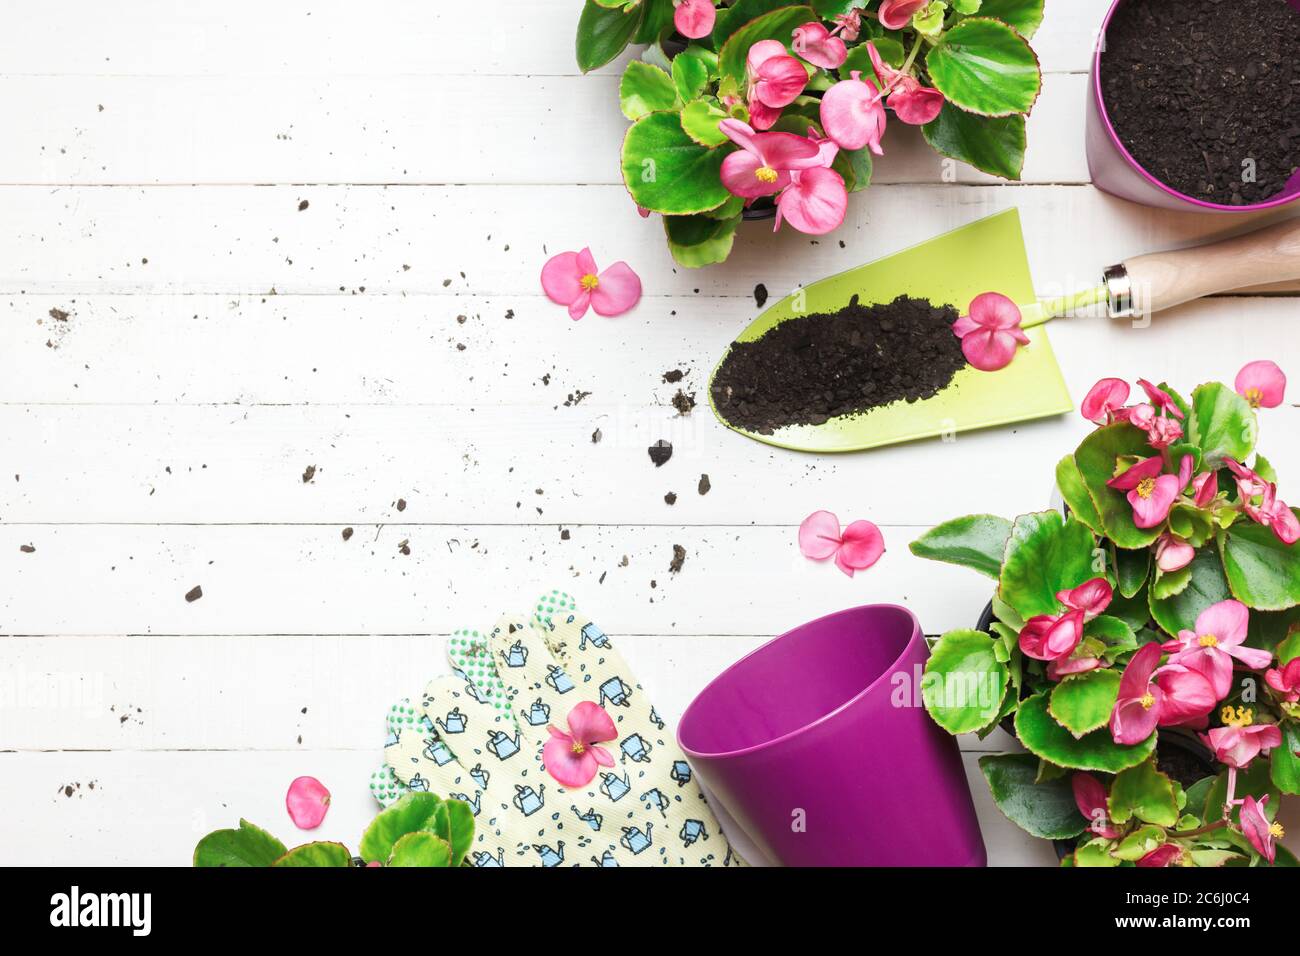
(307, 801)
(1186, 695)
(779, 80)
(861, 546)
(1064, 667)
(814, 43)
(1165, 855)
(819, 535)
(617, 291)
(761, 52)
(1161, 399)
(1134, 476)
(916, 105)
(786, 151)
(562, 278)
(589, 723)
(1173, 553)
(853, 115)
(989, 349)
(1151, 508)
(694, 19)
(1257, 827)
(815, 202)
(763, 116)
(1103, 399)
(897, 14)
(1090, 798)
(578, 307)
(1092, 597)
(1262, 384)
(740, 175)
(993, 310)
(570, 769)
(740, 133)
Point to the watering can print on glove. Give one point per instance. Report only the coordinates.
(479, 735)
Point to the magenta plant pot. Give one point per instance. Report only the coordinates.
(819, 748)
(1114, 170)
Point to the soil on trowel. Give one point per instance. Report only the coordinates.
(1206, 94)
(813, 368)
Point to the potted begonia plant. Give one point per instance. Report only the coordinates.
(773, 108)
(1159, 614)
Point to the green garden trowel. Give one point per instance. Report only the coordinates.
(989, 256)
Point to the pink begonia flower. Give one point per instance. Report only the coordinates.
(1285, 680)
(814, 43)
(1090, 597)
(1090, 798)
(1187, 697)
(914, 104)
(1205, 488)
(775, 81)
(857, 548)
(307, 801)
(1274, 513)
(1167, 854)
(896, 14)
(848, 25)
(1173, 553)
(1262, 384)
(853, 114)
(1258, 829)
(571, 279)
(1161, 399)
(1051, 637)
(1137, 711)
(1237, 746)
(1163, 432)
(1210, 649)
(694, 19)
(1249, 484)
(1104, 399)
(1149, 492)
(572, 757)
(762, 165)
(815, 202)
(990, 333)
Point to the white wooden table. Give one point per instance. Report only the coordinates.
(308, 233)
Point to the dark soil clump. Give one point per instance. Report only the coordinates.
(811, 369)
(1206, 95)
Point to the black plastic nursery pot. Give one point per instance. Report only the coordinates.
(1179, 753)
(1190, 104)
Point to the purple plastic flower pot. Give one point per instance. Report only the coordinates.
(1114, 170)
(818, 746)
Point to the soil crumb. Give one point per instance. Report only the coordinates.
(679, 558)
(684, 402)
(705, 485)
(673, 376)
(1204, 94)
(813, 368)
(660, 452)
(760, 295)
(193, 594)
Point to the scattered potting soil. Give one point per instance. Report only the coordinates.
(660, 452)
(193, 594)
(1206, 94)
(684, 402)
(705, 485)
(679, 559)
(813, 368)
(760, 295)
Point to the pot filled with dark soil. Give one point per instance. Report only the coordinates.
(1195, 104)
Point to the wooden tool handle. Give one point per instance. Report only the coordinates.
(1264, 258)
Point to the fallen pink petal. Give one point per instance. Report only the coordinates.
(574, 756)
(856, 548)
(990, 332)
(307, 802)
(571, 279)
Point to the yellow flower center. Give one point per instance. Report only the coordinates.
(765, 174)
(589, 281)
(1145, 487)
(1277, 830)
(1208, 640)
(578, 748)
(1237, 716)
(1148, 701)
(1254, 396)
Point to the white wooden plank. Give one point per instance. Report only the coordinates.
(338, 37)
(281, 579)
(405, 129)
(189, 794)
(406, 350)
(407, 240)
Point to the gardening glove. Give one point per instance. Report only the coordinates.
(496, 767)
